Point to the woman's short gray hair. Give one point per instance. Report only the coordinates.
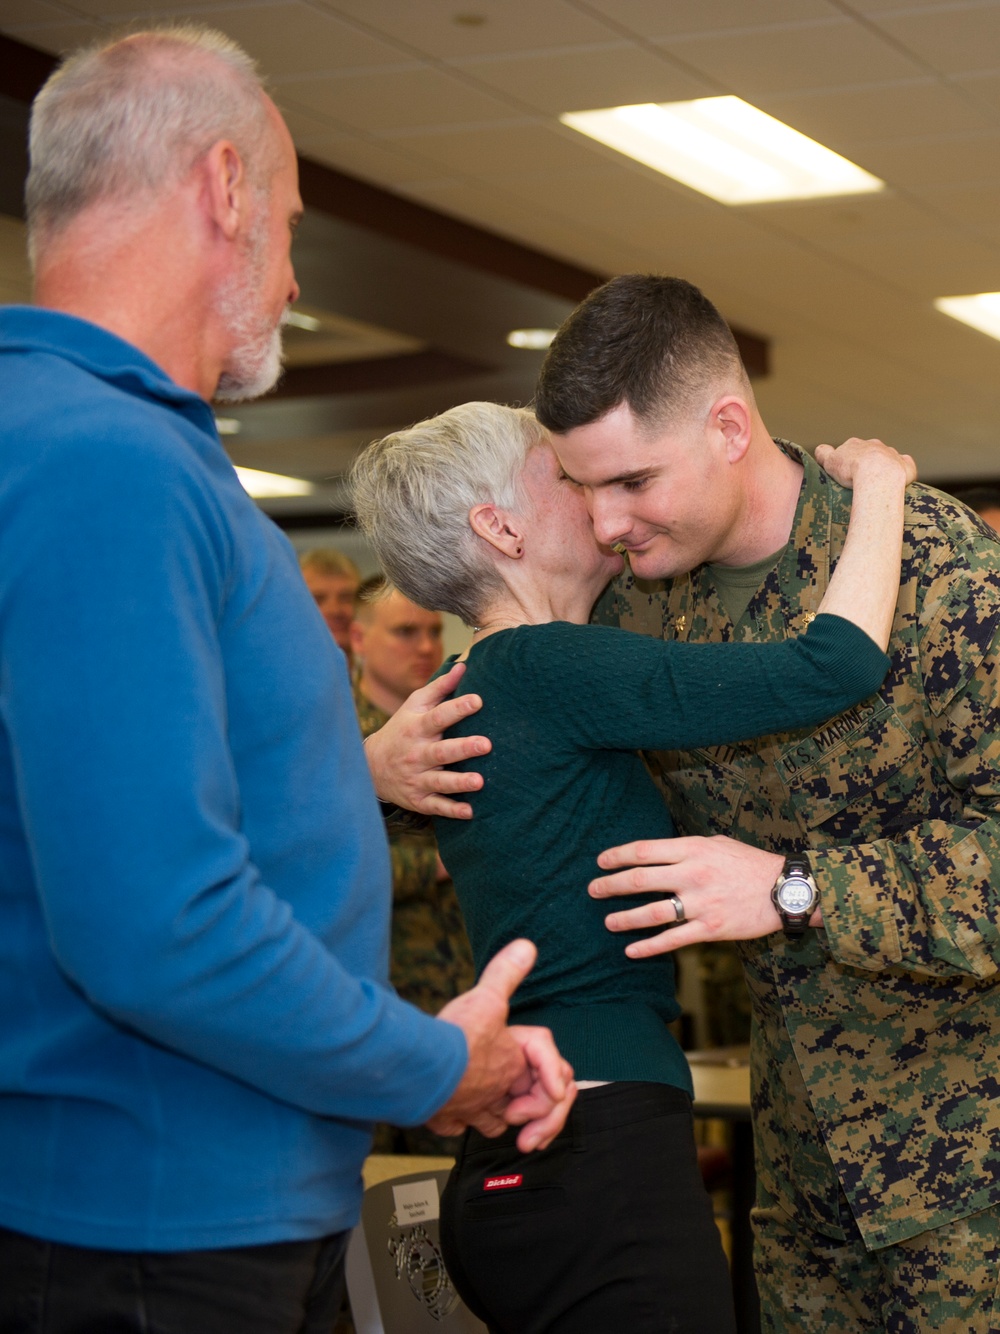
(127, 119)
(413, 492)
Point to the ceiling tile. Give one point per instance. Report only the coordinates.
(519, 148)
(297, 39)
(655, 19)
(959, 159)
(583, 79)
(381, 162)
(923, 263)
(974, 208)
(816, 55)
(847, 118)
(949, 38)
(397, 99)
(432, 25)
(982, 89)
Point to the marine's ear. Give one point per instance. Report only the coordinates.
(499, 528)
(732, 419)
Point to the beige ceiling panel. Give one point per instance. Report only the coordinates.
(789, 59)
(923, 263)
(656, 19)
(879, 7)
(952, 38)
(435, 27)
(396, 99)
(846, 119)
(855, 217)
(528, 218)
(377, 162)
(976, 208)
(959, 159)
(982, 88)
(519, 149)
(582, 80)
(297, 39)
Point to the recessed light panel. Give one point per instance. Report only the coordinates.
(263, 485)
(533, 339)
(981, 311)
(725, 148)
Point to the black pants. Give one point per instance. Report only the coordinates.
(287, 1288)
(608, 1230)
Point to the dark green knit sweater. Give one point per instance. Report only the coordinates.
(566, 707)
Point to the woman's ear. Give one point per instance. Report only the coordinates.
(498, 527)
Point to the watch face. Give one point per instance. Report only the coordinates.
(795, 894)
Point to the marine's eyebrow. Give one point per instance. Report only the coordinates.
(636, 475)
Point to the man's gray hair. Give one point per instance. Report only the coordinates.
(127, 119)
(413, 492)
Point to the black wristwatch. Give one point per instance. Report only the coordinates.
(795, 895)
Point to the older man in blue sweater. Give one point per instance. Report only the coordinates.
(196, 1031)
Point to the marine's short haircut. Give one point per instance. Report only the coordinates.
(126, 119)
(329, 560)
(413, 492)
(655, 344)
(373, 590)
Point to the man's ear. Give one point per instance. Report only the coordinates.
(732, 418)
(498, 527)
(226, 195)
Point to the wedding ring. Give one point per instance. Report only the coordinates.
(678, 907)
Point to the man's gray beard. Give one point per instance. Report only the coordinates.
(254, 364)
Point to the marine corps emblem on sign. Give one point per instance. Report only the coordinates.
(418, 1258)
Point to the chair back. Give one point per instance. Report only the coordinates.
(396, 1277)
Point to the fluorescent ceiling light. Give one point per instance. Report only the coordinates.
(299, 320)
(725, 148)
(269, 484)
(531, 338)
(981, 311)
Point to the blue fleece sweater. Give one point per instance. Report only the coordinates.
(195, 1024)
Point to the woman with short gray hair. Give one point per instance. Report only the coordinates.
(470, 512)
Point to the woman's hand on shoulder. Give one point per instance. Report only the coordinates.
(856, 458)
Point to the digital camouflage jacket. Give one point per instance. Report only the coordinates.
(876, 1058)
(430, 960)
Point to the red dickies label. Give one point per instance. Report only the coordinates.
(502, 1183)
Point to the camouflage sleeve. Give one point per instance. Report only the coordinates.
(414, 864)
(924, 896)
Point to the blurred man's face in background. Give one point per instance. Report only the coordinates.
(399, 646)
(335, 595)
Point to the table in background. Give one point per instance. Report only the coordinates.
(722, 1093)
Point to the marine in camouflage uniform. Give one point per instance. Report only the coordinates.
(430, 957)
(876, 1047)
